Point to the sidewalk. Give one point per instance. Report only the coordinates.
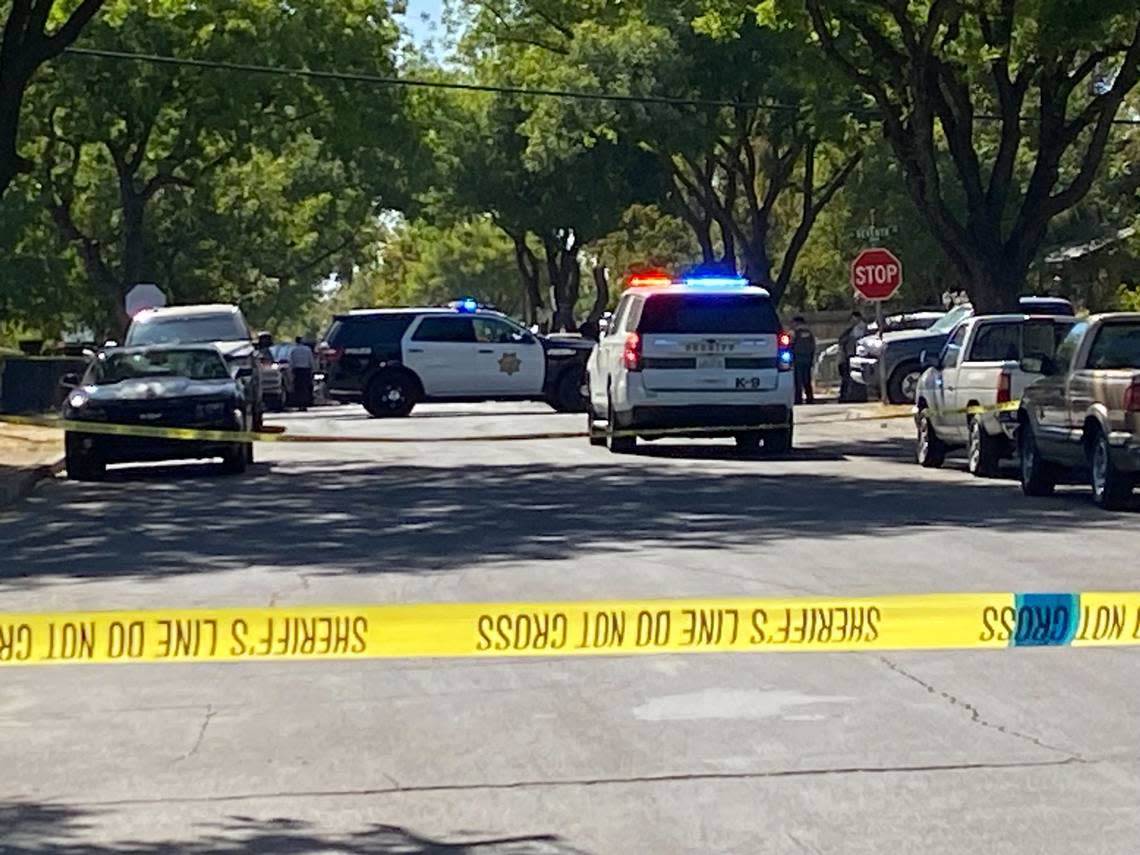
(27, 455)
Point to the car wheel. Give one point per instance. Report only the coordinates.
(597, 436)
(903, 383)
(1112, 489)
(82, 464)
(982, 450)
(235, 458)
(929, 450)
(778, 441)
(568, 397)
(1038, 476)
(749, 441)
(618, 443)
(391, 395)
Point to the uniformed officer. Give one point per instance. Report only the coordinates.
(803, 350)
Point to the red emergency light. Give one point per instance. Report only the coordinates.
(650, 279)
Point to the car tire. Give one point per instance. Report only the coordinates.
(1038, 476)
(82, 464)
(390, 395)
(778, 441)
(235, 458)
(1112, 489)
(596, 435)
(748, 441)
(617, 444)
(567, 396)
(903, 382)
(929, 450)
(983, 451)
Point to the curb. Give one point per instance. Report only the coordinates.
(14, 489)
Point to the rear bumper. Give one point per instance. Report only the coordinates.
(732, 418)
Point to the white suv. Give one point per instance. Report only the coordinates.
(704, 356)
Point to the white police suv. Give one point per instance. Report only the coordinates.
(702, 356)
(391, 359)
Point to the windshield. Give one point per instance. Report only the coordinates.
(1116, 346)
(187, 330)
(951, 319)
(194, 364)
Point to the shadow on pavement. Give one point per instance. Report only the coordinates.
(373, 518)
(31, 828)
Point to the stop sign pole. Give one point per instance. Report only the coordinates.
(876, 274)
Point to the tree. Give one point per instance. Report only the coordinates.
(145, 167)
(1003, 108)
(730, 169)
(25, 46)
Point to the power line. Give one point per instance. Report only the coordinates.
(411, 82)
(381, 80)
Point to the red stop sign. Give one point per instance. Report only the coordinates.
(876, 273)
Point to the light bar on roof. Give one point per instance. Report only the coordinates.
(650, 279)
(716, 281)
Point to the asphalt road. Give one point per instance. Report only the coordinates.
(996, 752)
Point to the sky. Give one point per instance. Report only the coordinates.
(414, 18)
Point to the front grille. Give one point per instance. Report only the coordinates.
(164, 413)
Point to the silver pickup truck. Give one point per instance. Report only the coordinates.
(1085, 412)
(982, 365)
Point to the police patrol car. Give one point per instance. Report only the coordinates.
(391, 359)
(704, 353)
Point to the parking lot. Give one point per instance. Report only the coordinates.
(774, 753)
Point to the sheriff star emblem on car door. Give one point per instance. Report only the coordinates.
(509, 363)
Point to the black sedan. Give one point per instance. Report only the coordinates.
(183, 386)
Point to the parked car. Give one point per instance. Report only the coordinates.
(705, 356)
(827, 360)
(1084, 414)
(391, 359)
(184, 386)
(897, 354)
(983, 364)
(219, 324)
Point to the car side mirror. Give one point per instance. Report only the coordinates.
(243, 372)
(1032, 364)
(69, 380)
(930, 360)
(1047, 365)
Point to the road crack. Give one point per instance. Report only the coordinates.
(976, 715)
(210, 713)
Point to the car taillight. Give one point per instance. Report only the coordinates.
(631, 354)
(330, 354)
(1005, 388)
(1132, 398)
(784, 351)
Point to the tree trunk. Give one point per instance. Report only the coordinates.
(601, 297)
(562, 268)
(528, 276)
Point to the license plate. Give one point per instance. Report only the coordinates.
(710, 362)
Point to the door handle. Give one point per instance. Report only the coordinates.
(415, 350)
(487, 350)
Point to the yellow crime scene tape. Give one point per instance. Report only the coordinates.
(608, 627)
(279, 435)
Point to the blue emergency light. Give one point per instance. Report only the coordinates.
(466, 304)
(716, 281)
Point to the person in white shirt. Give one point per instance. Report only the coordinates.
(301, 364)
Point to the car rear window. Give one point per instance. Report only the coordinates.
(1116, 346)
(708, 313)
(367, 331)
(187, 329)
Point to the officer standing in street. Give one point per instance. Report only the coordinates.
(803, 351)
(301, 363)
(856, 329)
